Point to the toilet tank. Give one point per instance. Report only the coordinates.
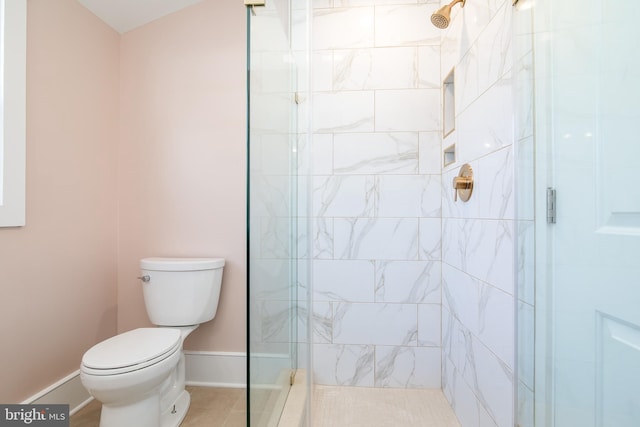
(181, 291)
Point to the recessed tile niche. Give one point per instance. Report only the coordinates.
(448, 104)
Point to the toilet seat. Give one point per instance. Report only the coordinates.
(131, 351)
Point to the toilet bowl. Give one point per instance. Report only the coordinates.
(139, 375)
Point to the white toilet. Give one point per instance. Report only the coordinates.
(139, 376)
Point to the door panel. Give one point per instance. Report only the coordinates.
(594, 253)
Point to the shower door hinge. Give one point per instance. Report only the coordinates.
(296, 98)
(551, 206)
(292, 377)
(254, 2)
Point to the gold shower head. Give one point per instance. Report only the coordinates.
(442, 16)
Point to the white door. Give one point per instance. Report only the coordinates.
(594, 254)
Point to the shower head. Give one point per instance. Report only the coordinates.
(442, 16)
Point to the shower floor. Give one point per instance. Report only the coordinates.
(380, 407)
(332, 406)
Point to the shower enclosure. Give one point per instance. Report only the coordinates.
(277, 336)
(579, 237)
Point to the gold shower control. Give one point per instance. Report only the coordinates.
(463, 183)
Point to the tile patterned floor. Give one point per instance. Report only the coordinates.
(210, 407)
(332, 407)
(380, 407)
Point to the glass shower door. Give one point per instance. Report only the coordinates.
(272, 212)
(588, 262)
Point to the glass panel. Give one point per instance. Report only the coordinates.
(274, 337)
(587, 322)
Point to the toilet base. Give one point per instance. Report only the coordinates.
(173, 416)
(145, 413)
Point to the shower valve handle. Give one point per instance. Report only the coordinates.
(463, 184)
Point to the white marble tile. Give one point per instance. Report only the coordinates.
(429, 325)
(322, 66)
(525, 261)
(275, 237)
(303, 154)
(303, 244)
(487, 124)
(395, 68)
(322, 238)
(341, 28)
(489, 253)
(405, 25)
(382, 238)
(429, 67)
(495, 42)
(453, 242)
(430, 144)
(461, 296)
(526, 344)
(493, 382)
(464, 402)
(476, 17)
(322, 322)
(525, 187)
(408, 196)
(407, 281)
(407, 367)
(379, 68)
(376, 153)
(352, 69)
(407, 110)
(269, 279)
(343, 195)
(343, 280)
(322, 154)
(482, 248)
(523, 93)
(466, 80)
(494, 184)
(276, 321)
(496, 323)
(351, 365)
(430, 239)
(343, 111)
(379, 324)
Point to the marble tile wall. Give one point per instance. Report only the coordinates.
(478, 237)
(376, 194)
(409, 288)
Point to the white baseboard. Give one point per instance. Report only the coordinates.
(216, 369)
(203, 368)
(67, 390)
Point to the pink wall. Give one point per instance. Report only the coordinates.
(182, 158)
(58, 273)
(135, 148)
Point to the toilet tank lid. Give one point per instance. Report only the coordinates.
(181, 264)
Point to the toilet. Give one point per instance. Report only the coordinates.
(139, 375)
